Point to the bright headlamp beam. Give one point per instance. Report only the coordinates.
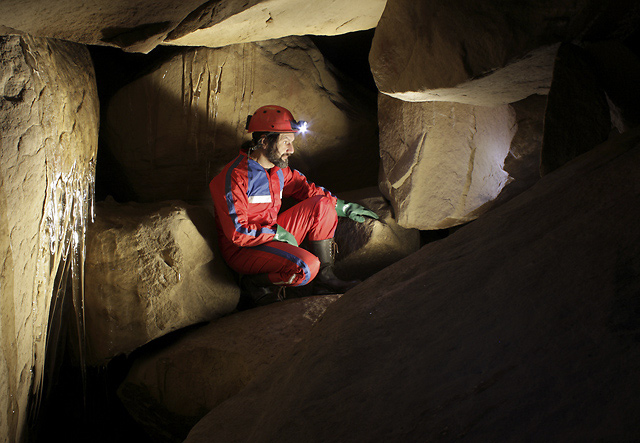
(302, 126)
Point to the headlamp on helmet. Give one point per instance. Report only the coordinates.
(300, 126)
(274, 118)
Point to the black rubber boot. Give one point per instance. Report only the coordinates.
(257, 290)
(326, 282)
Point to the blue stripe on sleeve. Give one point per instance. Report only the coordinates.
(232, 207)
(258, 185)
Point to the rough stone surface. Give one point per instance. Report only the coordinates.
(368, 247)
(142, 25)
(442, 161)
(151, 269)
(523, 161)
(171, 387)
(48, 143)
(218, 24)
(577, 117)
(519, 326)
(134, 26)
(173, 130)
(487, 53)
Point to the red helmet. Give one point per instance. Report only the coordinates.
(273, 118)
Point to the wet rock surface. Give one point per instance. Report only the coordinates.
(151, 269)
(48, 142)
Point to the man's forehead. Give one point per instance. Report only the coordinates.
(286, 135)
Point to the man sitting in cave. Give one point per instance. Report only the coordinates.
(258, 242)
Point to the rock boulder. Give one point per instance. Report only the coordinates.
(222, 23)
(151, 269)
(173, 385)
(442, 161)
(142, 25)
(482, 53)
(48, 143)
(368, 247)
(522, 325)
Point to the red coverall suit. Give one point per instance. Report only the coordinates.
(247, 199)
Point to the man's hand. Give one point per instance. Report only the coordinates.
(285, 236)
(354, 211)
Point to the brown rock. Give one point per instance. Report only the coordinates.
(172, 130)
(170, 388)
(142, 25)
(577, 117)
(48, 143)
(519, 326)
(151, 269)
(136, 27)
(442, 161)
(368, 247)
(523, 161)
(218, 24)
(481, 53)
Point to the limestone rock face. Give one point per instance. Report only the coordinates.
(217, 24)
(134, 26)
(174, 129)
(523, 161)
(368, 247)
(48, 143)
(442, 161)
(142, 25)
(450, 342)
(482, 53)
(168, 390)
(150, 270)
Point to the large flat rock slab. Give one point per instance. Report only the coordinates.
(142, 25)
(520, 326)
(172, 386)
(481, 53)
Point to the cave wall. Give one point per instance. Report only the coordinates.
(489, 57)
(174, 128)
(49, 119)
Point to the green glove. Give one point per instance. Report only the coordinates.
(354, 211)
(285, 236)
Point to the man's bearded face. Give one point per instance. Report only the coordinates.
(279, 152)
(280, 160)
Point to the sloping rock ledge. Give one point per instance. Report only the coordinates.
(520, 326)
